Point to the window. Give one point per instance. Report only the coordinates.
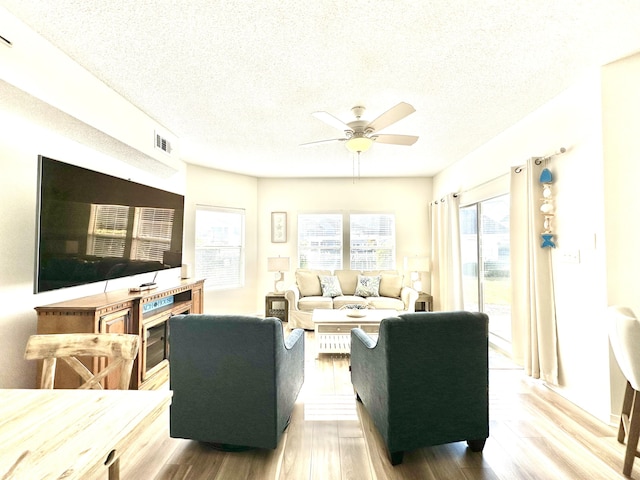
(486, 271)
(320, 241)
(152, 229)
(220, 246)
(108, 227)
(372, 241)
(111, 228)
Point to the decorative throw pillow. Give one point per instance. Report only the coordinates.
(309, 283)
(348, 280)
(330, 286)
(368, 286)
(391, 285)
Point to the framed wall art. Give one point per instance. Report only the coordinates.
(278, 227)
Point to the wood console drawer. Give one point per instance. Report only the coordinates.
(336, 328)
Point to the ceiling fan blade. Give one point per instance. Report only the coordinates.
(323, 141)
(331, 121)
(395, 139)
(392, 115)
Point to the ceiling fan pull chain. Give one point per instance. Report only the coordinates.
(353, 169)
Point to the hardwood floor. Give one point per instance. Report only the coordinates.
(534, 434)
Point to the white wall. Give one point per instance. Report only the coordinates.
(407, 198)
(621, 118)
(572, 120)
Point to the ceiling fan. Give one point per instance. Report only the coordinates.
(360, 134)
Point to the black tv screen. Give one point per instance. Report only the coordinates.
(94, 227)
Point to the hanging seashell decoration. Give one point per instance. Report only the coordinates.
(546, 179)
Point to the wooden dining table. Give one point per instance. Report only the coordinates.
(47, 434)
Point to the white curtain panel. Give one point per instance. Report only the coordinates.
(533, 317)
(446, 263)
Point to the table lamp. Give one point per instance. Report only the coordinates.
(278, 265)
(416, 265)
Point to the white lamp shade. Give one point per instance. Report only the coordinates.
(417, 264)
(278, 264)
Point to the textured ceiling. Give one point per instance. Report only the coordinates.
(237, 81)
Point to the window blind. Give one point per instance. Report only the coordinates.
(151, 233)
(219, 246)
(107, 230)
(372, 243)
(320, 241)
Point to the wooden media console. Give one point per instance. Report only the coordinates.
(143, 313)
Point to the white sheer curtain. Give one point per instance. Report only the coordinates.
(446, 264)
(533, 318)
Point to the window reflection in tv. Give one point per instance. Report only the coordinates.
(94, 227)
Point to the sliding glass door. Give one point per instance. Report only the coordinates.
(484, 231)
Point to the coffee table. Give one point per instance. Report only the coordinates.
(333, 327)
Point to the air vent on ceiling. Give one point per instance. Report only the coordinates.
(163, 144)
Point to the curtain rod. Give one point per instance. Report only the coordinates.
(457, 194)
(542, 159)
(518, 169)
(443, 199)
(539, 160)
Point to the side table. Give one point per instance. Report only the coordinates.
(424, 302)
(275, 305)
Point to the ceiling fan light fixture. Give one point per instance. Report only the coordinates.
(358, 144)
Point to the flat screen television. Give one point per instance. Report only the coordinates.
(94, 227)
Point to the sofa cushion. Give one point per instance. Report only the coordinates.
(308, 304)
(368, 286)
(384, 303)
(330, 286)
(391, 284)
(309, 283)
(340, 302)
(348, 280)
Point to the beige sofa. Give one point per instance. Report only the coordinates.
(317, 289)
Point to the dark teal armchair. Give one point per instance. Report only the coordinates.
(425, 381)
(235, 379)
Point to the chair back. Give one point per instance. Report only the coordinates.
(624, 335)
(423, 339)
(114, 354)
(427, 369)
(235, 378)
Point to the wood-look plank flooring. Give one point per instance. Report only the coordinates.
(534, 434)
